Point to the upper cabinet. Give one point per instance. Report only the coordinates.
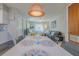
(4, 17)
(73, 19)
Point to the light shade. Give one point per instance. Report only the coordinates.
(36, 10)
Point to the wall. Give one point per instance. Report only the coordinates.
(3, 20)
(14, 28)
(62, 22)
(3, 35)
(59, 23)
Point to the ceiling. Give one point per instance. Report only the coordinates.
(50, 8)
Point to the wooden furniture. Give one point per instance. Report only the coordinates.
(73, 23)
(73, 19)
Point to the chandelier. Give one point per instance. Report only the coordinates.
(36, 10)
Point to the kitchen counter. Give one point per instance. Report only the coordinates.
(36, 45)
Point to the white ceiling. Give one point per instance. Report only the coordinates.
(50, 8)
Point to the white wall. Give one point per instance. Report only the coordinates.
(14, 28)
(3, 37)
(15, 25)
(3, 20)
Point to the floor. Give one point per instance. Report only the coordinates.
(2, 52)
(5, 47)
(71, 48)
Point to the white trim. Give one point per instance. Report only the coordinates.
(69, 5)
(67, 35)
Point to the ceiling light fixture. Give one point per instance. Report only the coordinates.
(36, 10)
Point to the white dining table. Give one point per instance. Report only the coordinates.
(34, 43)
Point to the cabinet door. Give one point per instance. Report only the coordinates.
(77, 18)
(73, 19)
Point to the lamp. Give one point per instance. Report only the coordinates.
(36, 10)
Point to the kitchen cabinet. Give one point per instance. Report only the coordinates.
(4, 17)
(73, 19)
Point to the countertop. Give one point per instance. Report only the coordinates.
(30, 43)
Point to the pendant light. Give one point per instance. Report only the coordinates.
(36, 10)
